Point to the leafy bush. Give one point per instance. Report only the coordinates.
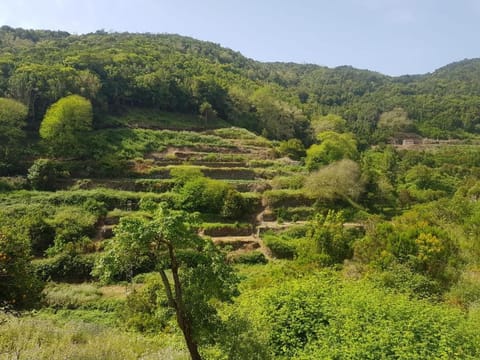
(287, 198)
(66, 266)
(292, 148)
(249, 258)
(330, 238)
(42, 175)
(146, 309)
(225, 229)
(12, 183)
(280, 248)
(319, 317)
(19, 287)
(71, 225)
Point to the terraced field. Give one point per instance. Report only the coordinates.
(248, 163)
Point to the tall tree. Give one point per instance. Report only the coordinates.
(192, 270)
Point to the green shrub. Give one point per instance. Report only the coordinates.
(249, 258)
(224, 229)
(19, 287)
(287, 198)
(233, 205)
(146, 309)
(95, 207)
(279, 247)
(42, 175)
(71, 225)
(293, 182)
(292, 148)
(12, 183)
(66, 266)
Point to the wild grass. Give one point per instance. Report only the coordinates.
(28, 338)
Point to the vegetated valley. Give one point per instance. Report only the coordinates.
(167, 198)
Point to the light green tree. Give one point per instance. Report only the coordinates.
(65, 124)
(329, 122)
(333, 147)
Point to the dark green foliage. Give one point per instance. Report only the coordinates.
(66, 266)
(42, 175)
(174, 73)
(225, 229)
(19, 287)
(12, 136)
(249, 258)
(292, 148)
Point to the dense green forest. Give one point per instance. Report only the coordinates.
(166, 198)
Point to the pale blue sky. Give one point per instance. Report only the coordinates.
(390, 36)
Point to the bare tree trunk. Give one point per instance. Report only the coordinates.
(182, 317)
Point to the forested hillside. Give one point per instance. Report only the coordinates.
(166, 198)
(175, 73)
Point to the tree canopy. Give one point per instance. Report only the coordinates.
(64, 124)
(12, 121)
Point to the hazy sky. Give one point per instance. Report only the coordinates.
(390, 36)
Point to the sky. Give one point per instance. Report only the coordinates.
(394, 37)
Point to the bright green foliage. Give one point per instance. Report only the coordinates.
(12, 120)
(322, 318)
(412, 241)
(65, 125)
(198, 269)
(182, 174)
(292, 148)
(333, 147)
(329, 122)
(146, 309)
(380, 171)
(72, 226)
(19, 287)
(332, 242)
(203, 194)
